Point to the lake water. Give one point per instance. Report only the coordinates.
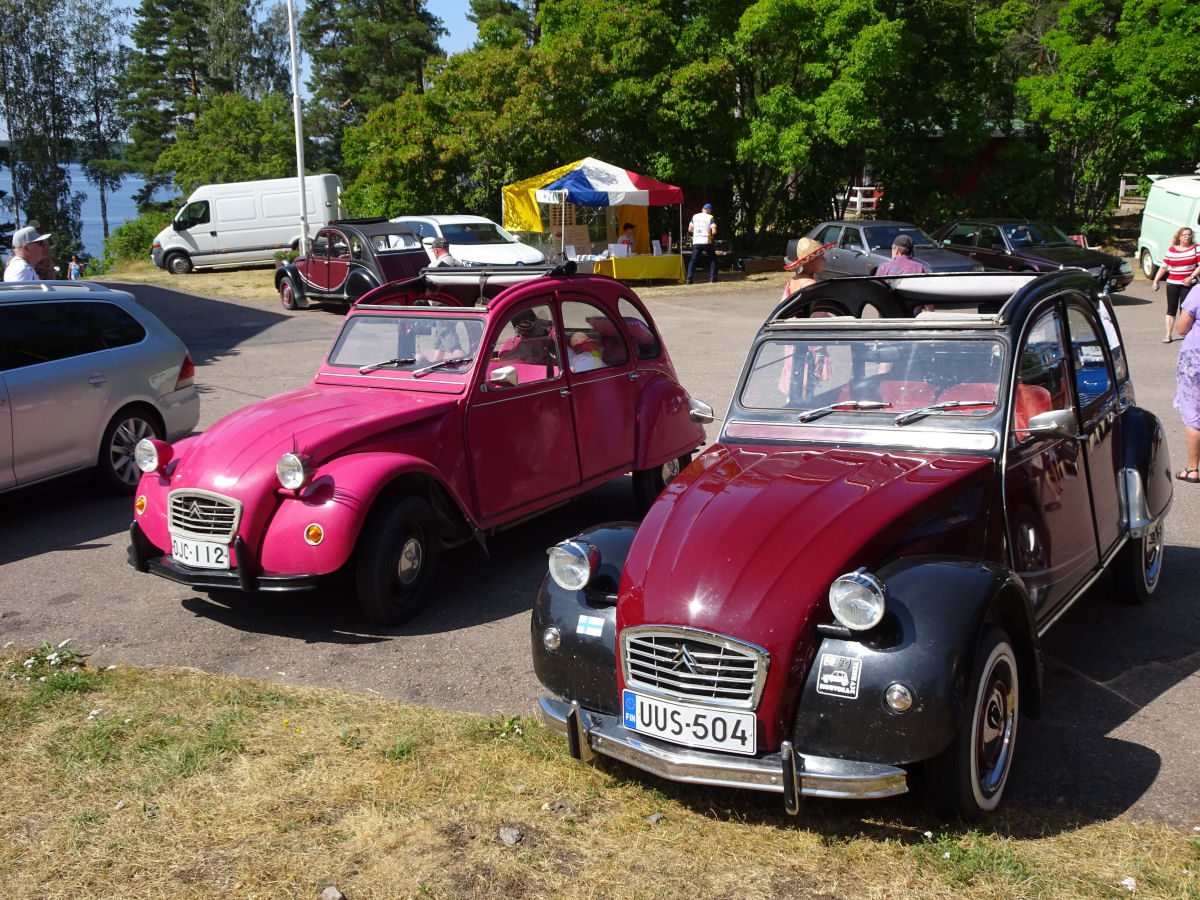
(121, 207)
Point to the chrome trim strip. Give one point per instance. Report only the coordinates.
(814, 776)
(893, 436)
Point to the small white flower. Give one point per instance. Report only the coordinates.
(8, 645)
(946, 855)
(95, 712)
(43, 678)
(127, 721)
(1129, 884)
(64, 643)
(29, 662)
(52, 659)
(928, 835)
(76, 668)
(110, 668)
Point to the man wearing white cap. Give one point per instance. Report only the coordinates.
(29, 248)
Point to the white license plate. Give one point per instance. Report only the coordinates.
(703, 727)
(199, 554)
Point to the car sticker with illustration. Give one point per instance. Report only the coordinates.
(838, 676)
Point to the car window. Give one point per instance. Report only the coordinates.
(193, 214)
(405, 343)
(961, 235)
(395, 240)
(320, 245)
(356, 247)
(829, 234)
(110, 324)
(989, 238)
(477, 233)
(903, 374)
(37, 333)
(526, 343)
(645, 342)
(594, 339)
(1093, 380)
(852, 237)
(424, 229)
(339, 248)
(1041, 375)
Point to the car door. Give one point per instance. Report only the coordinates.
(338, 267)
(1047, 500)
(830, 233)
(314, 268)
(7, 478)
(601, 373)
(520, 430)
(989, 248)
(850, 255)
(59, 382)
(1099, 420)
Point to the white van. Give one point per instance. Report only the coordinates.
(244, 223)
(1172, 203)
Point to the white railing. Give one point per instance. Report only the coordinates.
(1129, 185)
(862, 199)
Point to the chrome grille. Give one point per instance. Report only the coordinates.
(693, 665)
(202, 515)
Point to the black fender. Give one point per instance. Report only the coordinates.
(288, 270)
(1144, 451)
(937, 611)
(584, 666)
(359, 282)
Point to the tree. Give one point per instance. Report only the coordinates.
(234, 139)
(504, 23)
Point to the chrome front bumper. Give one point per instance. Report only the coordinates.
(786, 772)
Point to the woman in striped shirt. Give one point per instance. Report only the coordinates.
(1181, 264)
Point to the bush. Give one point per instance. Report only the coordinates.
(132, 241)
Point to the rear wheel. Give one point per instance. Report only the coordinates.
(116, 464)
(1139, 565)
(1148, 267)
(968, 778)
(397, 555)
(649, 483)
(178, 264)
(287, 294)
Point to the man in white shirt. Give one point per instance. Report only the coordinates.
(441, 253)
(29, 248)
(703, 228)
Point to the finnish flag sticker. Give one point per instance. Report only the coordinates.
(592, 626)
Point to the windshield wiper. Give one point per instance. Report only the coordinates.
(913, 414)
(398, 361)
(441, 364)
(841, 405)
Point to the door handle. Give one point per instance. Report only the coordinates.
(98, 379)
(633, 375)
(564, 392)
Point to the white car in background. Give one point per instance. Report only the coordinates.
(474, 240)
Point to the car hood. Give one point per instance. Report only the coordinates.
(1069, 256)
(318, 421)
(497, 254)
(746, 541)
(938, 260)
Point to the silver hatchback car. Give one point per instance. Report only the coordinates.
(85, 373)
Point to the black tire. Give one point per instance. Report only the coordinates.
(968, 778)
(1148, 267)
(287, 294)
(178, 264)
(115, 464)
(397, 556)
(649, 483)
(1138, 566)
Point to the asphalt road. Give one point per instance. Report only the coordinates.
(1122, 694)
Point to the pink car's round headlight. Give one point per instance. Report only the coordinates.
(292, 471)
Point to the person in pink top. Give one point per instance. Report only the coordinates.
(1181, 264)
(902, 262)
(1187, 393)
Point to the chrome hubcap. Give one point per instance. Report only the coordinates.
(1152, 556)
(412, 554)
(997, 715)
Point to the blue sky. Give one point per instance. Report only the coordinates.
(453, 14)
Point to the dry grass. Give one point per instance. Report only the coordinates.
(172, 783)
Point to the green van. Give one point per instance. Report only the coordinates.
(1172, 203)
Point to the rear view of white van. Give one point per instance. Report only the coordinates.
(1172, 203)
(244, 223)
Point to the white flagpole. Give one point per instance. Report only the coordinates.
(299, 127)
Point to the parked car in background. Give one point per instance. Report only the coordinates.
(852, 584)
(86, 373)
(1021, 246)
(863, 244)
(448, 407)
(243, 223)
(349, 258)
(1171, 204)
(474, 240)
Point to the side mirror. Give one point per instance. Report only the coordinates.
(699, 411)
(179, 225)
(1055, 423)
(505, 376)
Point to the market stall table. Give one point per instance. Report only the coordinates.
(626, 268)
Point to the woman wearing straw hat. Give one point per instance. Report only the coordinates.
(809, 261)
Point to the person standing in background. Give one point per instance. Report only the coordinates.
(74, 269)
(703, 228)
(902, 262)
(1180, 264)
(1187, 389)
(30, 251)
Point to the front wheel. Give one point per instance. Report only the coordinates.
(179, 264)
(1138, 566)
(397, 555)
(968, 778)
(287, 294)
(116, 464)
(649, 483)
(1148, 267)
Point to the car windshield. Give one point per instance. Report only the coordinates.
(477, 233)
(406, 343)
(881, 237)
(820, 376)
(1035, 234)
(391, 241)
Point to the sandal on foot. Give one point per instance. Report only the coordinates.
(1166, 340)
(1192, 475)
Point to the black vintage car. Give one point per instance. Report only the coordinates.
(348, 258)
(852, 584)
(1019, 245)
